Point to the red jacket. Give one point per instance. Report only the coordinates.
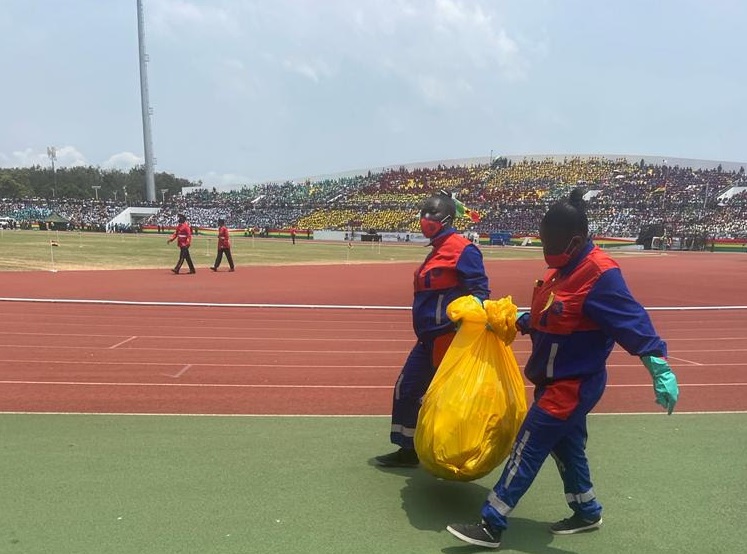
(183, 235)
(223, 241)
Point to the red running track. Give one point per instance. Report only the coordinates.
(218, 360)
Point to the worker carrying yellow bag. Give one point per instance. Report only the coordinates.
(476, 402)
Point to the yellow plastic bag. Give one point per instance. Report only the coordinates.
(476, 402)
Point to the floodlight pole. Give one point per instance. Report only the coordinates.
(150, 184)
(163, 195)
(52, 154)
(96, 190)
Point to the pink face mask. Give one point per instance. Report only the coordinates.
(556, 261)
(430, 228)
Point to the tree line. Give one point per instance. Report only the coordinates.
(78, 183)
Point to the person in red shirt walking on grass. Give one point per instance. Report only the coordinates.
(183, 238)
(224, 246)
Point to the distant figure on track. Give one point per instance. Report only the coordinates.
(453, 268)
(580, 309)
(183, 237)
(224, 246)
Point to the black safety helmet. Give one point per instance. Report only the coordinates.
(563, 221)
(439, 208)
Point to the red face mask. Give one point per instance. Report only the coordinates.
(430, 228)
(556, 261)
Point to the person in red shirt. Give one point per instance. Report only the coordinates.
(224, 246)
(293, 235)
(183, 238)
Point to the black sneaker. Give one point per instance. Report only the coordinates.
(575, 524)
(213, 269)
(175, 271)
(404, 457)
(476, 533)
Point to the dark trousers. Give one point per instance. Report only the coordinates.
(554, 426)
(411, 386)
(219, 257)
(184, 256)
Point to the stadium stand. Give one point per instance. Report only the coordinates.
(623, 198)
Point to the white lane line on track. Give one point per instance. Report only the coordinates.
(304, 366)
(268, 366)
(119, 343)
(203, 337)
(279, 386)
(303, 306)
(327, 351)
(338, 416)
(179, 349)
(179, 373)
(684, 360)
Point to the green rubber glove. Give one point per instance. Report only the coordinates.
(665, 383)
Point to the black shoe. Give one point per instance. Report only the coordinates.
(575, 524)
(479, 534)
(192, 271)
(213, 269)
(175, 271)
(230, 270)
(404, 457)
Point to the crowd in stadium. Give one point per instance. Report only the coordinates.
(511, 197)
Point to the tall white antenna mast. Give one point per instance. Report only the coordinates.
(150, 182)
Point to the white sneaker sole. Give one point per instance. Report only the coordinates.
(470, 540)
(590, 527)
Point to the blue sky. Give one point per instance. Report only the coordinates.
(246, 91)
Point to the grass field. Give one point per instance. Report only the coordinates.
(162, 485)
(31, 250)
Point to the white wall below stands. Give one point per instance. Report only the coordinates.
(732, 192)
(125, 217)
(385, 237)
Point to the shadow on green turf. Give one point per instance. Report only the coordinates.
(431, 504)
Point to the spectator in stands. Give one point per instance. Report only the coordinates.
(183, 236)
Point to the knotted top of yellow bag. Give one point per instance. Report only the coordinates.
(502, 318)
(466, 309)
(498, 315)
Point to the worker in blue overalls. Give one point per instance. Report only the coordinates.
(453, 268)
(579, 310)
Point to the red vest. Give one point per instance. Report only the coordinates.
(557, 303)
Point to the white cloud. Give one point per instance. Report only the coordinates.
(311, 70)
(173, 17)
(123, 161)
(222, 180)
(443, 50)
(66, 156)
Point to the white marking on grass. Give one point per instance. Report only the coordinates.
(119, 343)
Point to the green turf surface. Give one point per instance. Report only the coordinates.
(162, 484)
(31, 250)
